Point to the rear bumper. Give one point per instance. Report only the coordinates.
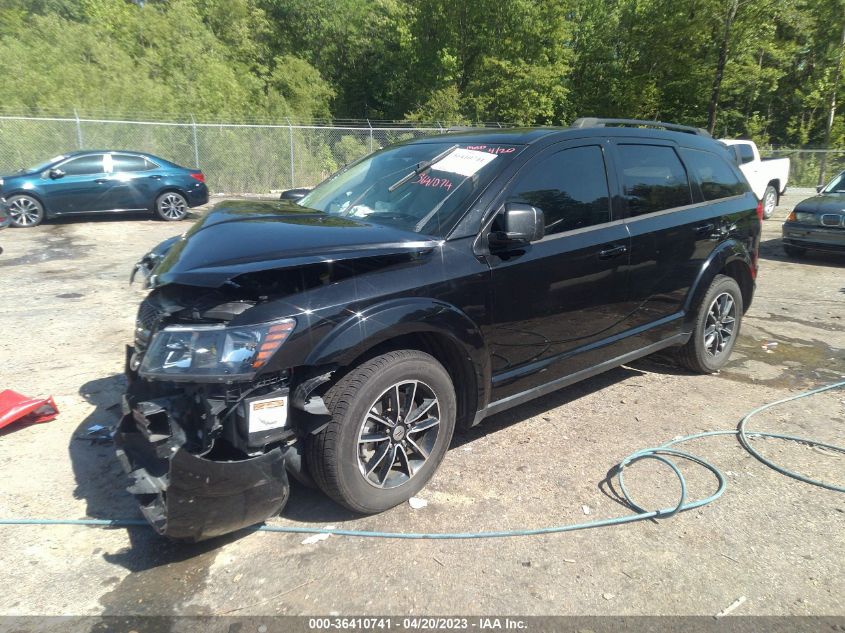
(190, 497)
(198, 195)
(815, 238)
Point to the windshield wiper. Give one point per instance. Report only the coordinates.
(423, 166)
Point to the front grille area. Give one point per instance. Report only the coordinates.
(146, 323)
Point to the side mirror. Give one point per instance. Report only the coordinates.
(819, 188)
(294, 194)
(56, 173)
(522, 223)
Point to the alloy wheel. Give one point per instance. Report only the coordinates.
(720, 324)
(172, 206)
(769, 203)
(398, 434)
(24, 212)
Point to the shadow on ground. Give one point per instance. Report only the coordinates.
(101, 482)
(773, 250)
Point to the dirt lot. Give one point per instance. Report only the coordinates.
(66, 311)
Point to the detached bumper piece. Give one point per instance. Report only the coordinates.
(189, 497)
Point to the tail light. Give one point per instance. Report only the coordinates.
(760, 210)
(201, 177)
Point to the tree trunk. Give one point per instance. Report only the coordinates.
(831, 115)
(724, 49)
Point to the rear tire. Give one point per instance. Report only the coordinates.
(25, 211)
(412, 436)
(716, 328)
(794, 251)
(770, 201)
(171, 206)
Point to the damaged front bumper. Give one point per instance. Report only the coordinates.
(189, 497)
(190, 463)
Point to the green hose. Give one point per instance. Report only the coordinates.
(661, 454)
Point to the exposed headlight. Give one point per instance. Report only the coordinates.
(216, 352)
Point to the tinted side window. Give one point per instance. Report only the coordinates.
(124, 162)
(746, 153)
(653, 178)
(84, 165)
(569, 186)
(715, 176)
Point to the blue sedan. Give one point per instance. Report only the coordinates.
(101, 181)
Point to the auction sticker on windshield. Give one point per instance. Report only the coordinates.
(464, 162)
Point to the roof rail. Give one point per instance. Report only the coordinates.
(598, 122)
(464, 128)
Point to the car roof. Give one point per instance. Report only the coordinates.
(85, 152)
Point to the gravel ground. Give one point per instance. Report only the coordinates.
(66, 311)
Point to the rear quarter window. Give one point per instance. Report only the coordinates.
(715, 176)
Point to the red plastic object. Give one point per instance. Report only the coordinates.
(15, 407)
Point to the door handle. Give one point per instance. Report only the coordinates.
(615, 251)
(101, 181)
(154, 177)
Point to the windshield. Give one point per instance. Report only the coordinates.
(837, 185)
(384, 188)
(45, 164)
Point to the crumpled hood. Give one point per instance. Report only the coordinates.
(823, 203)
(244, 236)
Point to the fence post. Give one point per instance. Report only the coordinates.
(196, 146)
(370, 125)
(292, 173)
(78, 129)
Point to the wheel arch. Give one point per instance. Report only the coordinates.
(431, 326)
(32, 194)
(731, 259)
(167, 189)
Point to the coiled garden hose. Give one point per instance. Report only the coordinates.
(662, 454)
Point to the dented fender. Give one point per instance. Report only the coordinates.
(383, 321)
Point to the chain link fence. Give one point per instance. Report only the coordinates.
(259, 158)
(808, 167)
(236, 158)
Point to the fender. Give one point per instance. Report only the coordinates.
(729, 251)
(398, 317)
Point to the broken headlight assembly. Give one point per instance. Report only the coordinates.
(215, 352)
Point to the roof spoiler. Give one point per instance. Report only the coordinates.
(598, 122)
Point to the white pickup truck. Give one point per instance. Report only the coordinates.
(767, 176)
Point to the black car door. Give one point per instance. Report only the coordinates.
(556, 299)
(672, 233)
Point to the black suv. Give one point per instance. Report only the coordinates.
(342, 334)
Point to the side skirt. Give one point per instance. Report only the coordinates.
(565, 381)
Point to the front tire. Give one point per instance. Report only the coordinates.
(392, 421)
(25, 211)
(770, 201)
(716, 327)
(171, 206)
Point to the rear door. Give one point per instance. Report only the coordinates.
(556, 298)
(134, 179)
(83, 187)
(673, 232)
